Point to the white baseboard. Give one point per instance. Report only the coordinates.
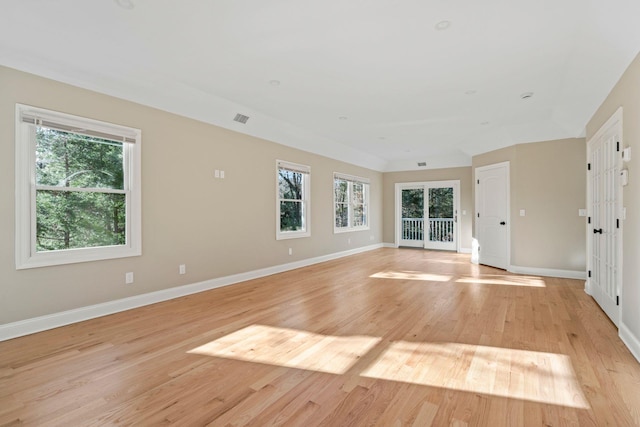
(389, 245)
(42, 323)
(630, 340)
(465, 250)
(548, 272)
(587, 287)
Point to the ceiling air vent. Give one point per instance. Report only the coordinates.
(241, 118)
(422, 163)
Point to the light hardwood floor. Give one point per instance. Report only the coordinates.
(390, 338)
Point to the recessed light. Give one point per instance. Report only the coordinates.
(381, 137)
(125, 4)
(484, 123)
(274, 82)
(471, 92)
(343, 118)
(443, 25)
(526, 95)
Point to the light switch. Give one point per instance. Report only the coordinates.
(522, 212)
(582, 212)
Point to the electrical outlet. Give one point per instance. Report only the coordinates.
(182, 269)
(290, 251)
(216, 173)
(349, 241)
(221, 174)
(128, 278)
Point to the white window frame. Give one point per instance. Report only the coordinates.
(27, 117)
(350, 204)
(306, 200)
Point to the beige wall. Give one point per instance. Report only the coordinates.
(626, 93)
(216, 227)
(463, 174)
(548, 181)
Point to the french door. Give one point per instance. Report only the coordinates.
(604, 223)
(427, 215)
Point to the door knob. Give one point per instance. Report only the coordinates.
(503, 223)
(597, 231)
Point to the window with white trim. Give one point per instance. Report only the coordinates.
(351, 202)
(292, 204)
(77, 189)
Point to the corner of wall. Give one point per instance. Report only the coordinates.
(632, 342)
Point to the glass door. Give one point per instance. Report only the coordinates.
(442, 218)
(412, 217)
(427, 214)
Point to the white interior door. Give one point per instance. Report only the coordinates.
(604, 222)
(492, 215)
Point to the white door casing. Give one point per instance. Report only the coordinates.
(604, 224)
(492, 215)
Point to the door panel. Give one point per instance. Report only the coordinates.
(412, 217)
(492, 214)
(442, 217)
(605, 202)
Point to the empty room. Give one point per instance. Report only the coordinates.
(245, 213)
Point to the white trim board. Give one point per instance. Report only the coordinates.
(51, 321)
(548, 272)
(630, 340)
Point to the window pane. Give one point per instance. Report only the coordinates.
(341, 190)
(358, 216)
(290, 184)
(342, 215)
(413, 203)
(70, 160)
(441, 202)
(72, 220)
(358, 192)
(291, 216)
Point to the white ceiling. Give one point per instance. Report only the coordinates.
(371, 82)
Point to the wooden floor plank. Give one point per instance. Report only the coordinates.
(391, 337)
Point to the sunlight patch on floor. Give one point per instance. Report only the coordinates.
(517, 374)
(505, 279)
(290, 348)
(411, 275)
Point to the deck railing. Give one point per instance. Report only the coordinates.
(440, 229)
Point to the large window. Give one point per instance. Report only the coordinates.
(292, 205)
(351, 200)
(77, 189)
